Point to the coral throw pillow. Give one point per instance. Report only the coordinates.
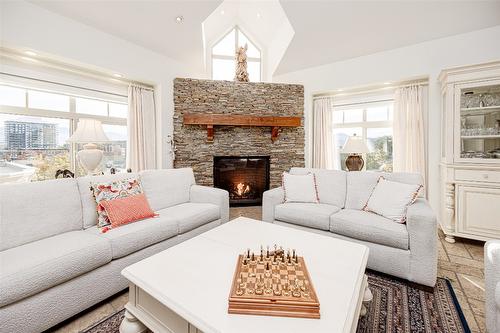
(300, 188)
(112, 190)
(391, 199)
(129, 209)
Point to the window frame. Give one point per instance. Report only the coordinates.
(236, 30)
(71, 115)
(364, 124)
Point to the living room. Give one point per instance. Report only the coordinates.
(249, 166)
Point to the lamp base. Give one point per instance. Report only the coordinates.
(90, 158)
(354, 162)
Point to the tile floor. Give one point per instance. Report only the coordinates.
(461, 262)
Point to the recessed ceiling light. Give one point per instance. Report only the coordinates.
(339, 90)
(29, 59)
(222, 12)
(117, 75)
(258, 15)
(30, 53)
(387, 83)
(179, 19)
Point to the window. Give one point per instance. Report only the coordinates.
(35, 125)
(373, 122)
(223, 57)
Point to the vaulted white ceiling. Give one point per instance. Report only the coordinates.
(325, 31)
(329, 31)
(150, 23)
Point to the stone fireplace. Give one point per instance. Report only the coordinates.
(244, 177)
(208, 97)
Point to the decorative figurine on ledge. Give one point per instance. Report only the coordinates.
(241, 64)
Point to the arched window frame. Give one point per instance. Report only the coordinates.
(236, 29)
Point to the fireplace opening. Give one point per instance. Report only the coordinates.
(244, 177)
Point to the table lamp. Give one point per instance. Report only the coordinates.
(89, 132)
(355, 146)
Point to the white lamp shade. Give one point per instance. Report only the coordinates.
(355, 145)
(88, 131)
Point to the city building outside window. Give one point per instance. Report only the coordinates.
(34, 127)
(223, 57)
(373, 122)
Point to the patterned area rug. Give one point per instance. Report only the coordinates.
(397, 307)
(401, 307)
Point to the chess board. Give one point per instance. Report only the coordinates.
(265, 286)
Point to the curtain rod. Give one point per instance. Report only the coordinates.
(359, 91)
(65, 85)
(365, 102)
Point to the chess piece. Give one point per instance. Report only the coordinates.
(239, 290)
(268, 270)
(253, 257)
(267, 253)
(248, 253)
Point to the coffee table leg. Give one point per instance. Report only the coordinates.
(367, 297)
(131, 324)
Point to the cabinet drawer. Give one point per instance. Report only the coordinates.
(478, 175)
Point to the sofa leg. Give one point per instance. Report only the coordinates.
(131, 324)
(450, 239)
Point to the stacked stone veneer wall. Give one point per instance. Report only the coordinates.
(235, 98)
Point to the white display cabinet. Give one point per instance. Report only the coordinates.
(470, 152)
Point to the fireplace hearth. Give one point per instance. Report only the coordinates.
(244, 177)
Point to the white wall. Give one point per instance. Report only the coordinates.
(424, 59)
(27, 26)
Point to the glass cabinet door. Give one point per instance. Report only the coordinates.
(479, 127)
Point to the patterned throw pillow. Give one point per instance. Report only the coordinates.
(126, 210)
(109, 191)
(391, 199)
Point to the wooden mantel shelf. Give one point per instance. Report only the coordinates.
(211, 120)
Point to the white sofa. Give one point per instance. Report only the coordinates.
(407, 251)
(54, 263)
(492, 284)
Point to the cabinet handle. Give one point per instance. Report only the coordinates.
(485, 176)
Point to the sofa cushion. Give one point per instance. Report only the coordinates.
(306, 214)
(167, 187)
(331, 184)
(31, 268)
(191, 215)
(33, 211)
(89, 205)
(360, 185)
(138, 235)
(369, 227)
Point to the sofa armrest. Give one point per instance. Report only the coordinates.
(271, 199)
(216, 196)
(422, 232)
(492, 281)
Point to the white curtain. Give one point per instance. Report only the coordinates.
(409, 130)
(322, 153)
(141, 146)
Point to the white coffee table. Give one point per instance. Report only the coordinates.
(186, 287)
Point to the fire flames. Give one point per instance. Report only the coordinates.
(242, 189)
